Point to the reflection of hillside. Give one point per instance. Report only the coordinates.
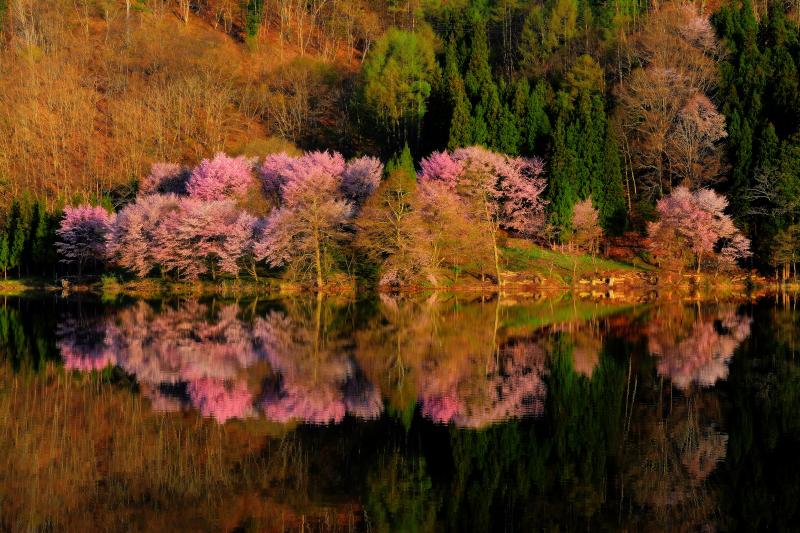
(695, 346)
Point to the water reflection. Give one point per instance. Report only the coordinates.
(308, 362)
(303, 362)
(695, 345)
(441, 413)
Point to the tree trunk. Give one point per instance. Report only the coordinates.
(318, 258)
(496, 259)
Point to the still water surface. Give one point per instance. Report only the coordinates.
(441, 413)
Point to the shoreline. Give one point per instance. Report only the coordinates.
(637, 286)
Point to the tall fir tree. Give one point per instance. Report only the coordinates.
(460, 127)
(562, 189)
(537, 126)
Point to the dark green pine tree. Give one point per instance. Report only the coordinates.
(781, 47)
(507, 139)
(519, 101)
(43, 257)
(13, 221)
(461, 121)
(479, 71)
(479, 130)
(611, 192)
(481, 89)
(5, 248)
(561, 186)
(20, 239)
(537, 126)
(460, 127)
(743, 83)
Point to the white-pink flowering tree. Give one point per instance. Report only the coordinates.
(501, 192)
(695, 151)
(134, 242)
(361, 178)
(204, 236)
(314, 209)
(278, 169)
(587, 231)
(308, 226)
(693, 227)
(221, 177)
(83, 234)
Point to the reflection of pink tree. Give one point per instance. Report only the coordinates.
(170, 347)
(84, 346)
(311, 402)
(701, 354)
(510, 386)
(181, 344)
(317, 382)
(214, 399)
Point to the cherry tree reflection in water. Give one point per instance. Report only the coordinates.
(677, 439)
(316, 381)
(696, 347)
(453, 357)
(208, 358)
(507, 385)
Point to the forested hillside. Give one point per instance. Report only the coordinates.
(669, 128)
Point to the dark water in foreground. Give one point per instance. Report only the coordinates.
(415, 414)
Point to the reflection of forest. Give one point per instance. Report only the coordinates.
(609, 443)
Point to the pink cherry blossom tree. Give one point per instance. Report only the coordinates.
(693, 226)
(310, 222)
(361, 178)
(204, 236)
(441, 166)
(83, 234)
(279, 169)
(221, 177)
(134, 243)
(500, 191)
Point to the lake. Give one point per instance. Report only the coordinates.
(417, 413)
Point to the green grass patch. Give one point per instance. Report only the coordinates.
(551, 264)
